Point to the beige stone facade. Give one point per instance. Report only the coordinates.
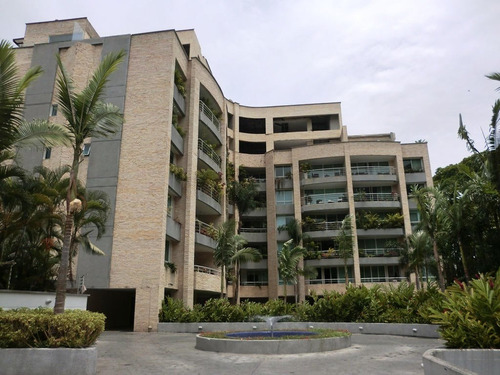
(306, 166)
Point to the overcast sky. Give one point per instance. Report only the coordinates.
(408, 67)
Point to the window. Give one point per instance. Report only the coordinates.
(167, 251)
(48, 152)
(86, 149)
(283, 220)
(414, 217)
(53, 110)
(283, 171)
(284, 197)
(413, 165)
(169, 206)
(373, 274)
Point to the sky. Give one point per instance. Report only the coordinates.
(408, 67)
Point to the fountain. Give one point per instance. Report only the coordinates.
(263, 342)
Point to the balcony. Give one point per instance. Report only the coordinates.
(177, 141)
(325, 202)
(204, 236)
(326, 229)
(257, 212)
(374, 200)
(261, 264)
(211, 122)
(382, 279)
(415, 178)
(380, 233)
(174, 185)
(206, 278)
(379, 252)
(208, 201)
(179, 101)
(375, 173)
(208, 156)
(326, 177)
(173, 229)
(254, 234)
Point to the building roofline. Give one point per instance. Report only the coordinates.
(56, 20)
(284, 105)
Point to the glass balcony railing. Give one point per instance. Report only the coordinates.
(323, 226)
(325, 172)
(253, 230)
(375, 170)
(376, 197)
(339, 280)
(379, 252)
(324, 198)
(209, 151)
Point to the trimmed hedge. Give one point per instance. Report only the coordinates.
(41, 328)
(401, 304)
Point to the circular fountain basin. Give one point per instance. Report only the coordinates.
(247, 345)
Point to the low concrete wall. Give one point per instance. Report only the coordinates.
(15, 299)
(416, 330)
(60, 361)
(461, 361)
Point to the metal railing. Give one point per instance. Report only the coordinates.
(210, 115)
(324, 198)
(376, 197)
(209, 151)
(204, 228)
(253, 230)
(322, 226)
(340, 280)
(253, 283)
(382, 252)
(374, 170)
(325, 172)
(207, 270)
(210, 191)
(382, 279)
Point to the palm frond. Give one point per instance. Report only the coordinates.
(41, 133)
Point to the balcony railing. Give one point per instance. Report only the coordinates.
(209, 151)
(253, 283)
(379, 252)
(376, 197)
(210, 191)
(322, 226)
(373, 170)
(210, 115)
(253, 230)
(382, 279)
(325, 172)
(340, 280)
(324, 198)
(204, 228)
(207, 270)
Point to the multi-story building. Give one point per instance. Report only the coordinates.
(178, 125)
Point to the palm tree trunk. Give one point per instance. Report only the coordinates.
(63, 264)
(222, 277)
(438, 264)
(346, 274)
(417, 278)
(464, 261)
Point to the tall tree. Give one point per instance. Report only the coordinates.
(240, 253)
(288, 260)
(430, 204)
(415, 255)
(86, 116)
(223, 235)
(344, 243)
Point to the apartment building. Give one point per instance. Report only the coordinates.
(178, 126)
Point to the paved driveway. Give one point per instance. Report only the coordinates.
(174, 353)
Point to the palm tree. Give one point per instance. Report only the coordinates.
(430, 206)
(223, 235)
(344, 244)
(415, 254)
(288, 261)
(241, 253)
(86, 116)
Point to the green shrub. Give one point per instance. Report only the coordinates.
(470, 314)
(41, 328)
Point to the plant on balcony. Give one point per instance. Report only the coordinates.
(304, 167)
(215, 111)
(178, 172)
(367, 220)
(171, 266)
(180, 82)
(175, 124)
(210, 179)
(392, 220)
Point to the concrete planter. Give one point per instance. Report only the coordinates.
(461, 361)
(60, 361)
